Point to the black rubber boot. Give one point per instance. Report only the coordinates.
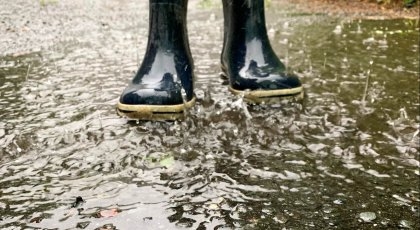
(163, 86)
(247, 58)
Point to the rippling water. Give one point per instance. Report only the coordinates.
(347, 156)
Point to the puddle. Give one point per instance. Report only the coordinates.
(345, 157)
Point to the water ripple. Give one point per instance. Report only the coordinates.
(351, 144)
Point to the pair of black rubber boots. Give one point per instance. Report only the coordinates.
(164, 84)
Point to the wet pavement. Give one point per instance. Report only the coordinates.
(346, 157)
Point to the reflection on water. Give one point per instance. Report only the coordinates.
(345, 157)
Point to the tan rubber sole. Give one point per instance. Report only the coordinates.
(269, 96)
(265, 96)
(154, 112)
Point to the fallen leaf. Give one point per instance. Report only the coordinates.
(167, 161)
(108, 213)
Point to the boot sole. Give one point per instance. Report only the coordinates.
(269, 96)
(154, 112)
(265, 96)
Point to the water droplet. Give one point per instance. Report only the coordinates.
(367, 216)
(359, 29)
(327, 210)
(281, 218)
(338, 30)
(405, 224)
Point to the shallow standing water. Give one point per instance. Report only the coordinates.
(346, 157)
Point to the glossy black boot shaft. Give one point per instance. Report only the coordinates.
(164, 81)
(248, 58)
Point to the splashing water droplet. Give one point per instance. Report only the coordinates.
(367, 216)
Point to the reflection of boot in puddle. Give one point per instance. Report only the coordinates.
(163, 85)
(248, 60)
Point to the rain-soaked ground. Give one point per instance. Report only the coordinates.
(346, 157)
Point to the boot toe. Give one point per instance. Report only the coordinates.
(267, 89)
(138, 95)
(281, 81)
(141, 103)
(271, 82)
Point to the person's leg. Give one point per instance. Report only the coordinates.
(247, 58)
(163, 86)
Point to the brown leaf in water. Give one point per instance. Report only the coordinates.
(108, 213)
